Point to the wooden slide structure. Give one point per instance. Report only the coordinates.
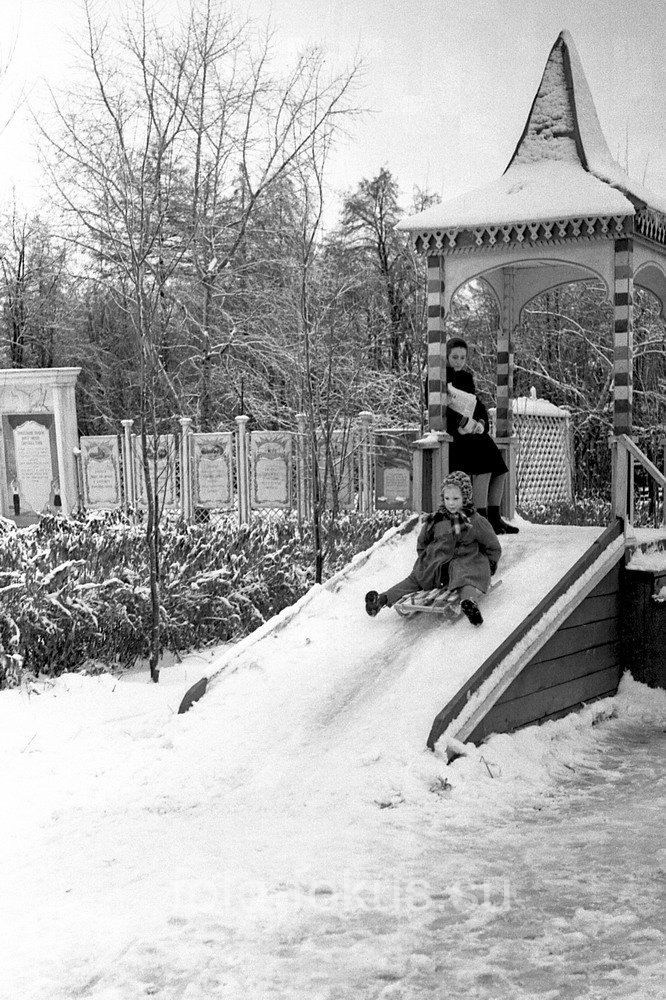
(565, 653)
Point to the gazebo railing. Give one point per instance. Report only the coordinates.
(625, 453)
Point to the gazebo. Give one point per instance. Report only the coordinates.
(562, 211)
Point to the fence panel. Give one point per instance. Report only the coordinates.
(271, 470)
(101, 472)
(213, 470)
(336, 469)
(393, 467)
(161, 458)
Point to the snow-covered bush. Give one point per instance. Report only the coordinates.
(582, 511)
(75, 590)
(590, 510)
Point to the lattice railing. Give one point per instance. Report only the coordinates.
(544, 458)
(543, 453)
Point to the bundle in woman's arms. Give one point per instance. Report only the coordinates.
(462, 402)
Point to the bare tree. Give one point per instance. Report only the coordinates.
(33, 282)
(160, 172)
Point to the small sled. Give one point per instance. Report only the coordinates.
(440, 601)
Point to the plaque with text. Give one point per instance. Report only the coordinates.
(161, 454)
(393, 467)
(100, 466)
(31, 462)
(212, 470)
(337, 468)
(271, 461)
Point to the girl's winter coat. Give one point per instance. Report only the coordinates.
(468, 554)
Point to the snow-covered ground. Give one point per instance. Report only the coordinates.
(290, 837)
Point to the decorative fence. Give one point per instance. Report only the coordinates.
(544, 455)
(356, 468)
(359, 468)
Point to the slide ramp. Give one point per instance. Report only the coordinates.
(586, 652)
(323, 673)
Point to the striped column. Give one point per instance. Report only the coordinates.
(436, 346)
(504, 425)
(623, 302)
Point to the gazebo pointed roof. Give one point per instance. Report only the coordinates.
(562, 123)
(561, 167)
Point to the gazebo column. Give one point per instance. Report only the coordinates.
(436, 345)
(431, 453)
(504, 420)
(623, 301)
(623, 307)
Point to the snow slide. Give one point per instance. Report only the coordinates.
(334, 671)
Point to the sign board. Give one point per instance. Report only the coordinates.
(339, 469)
(100, 466)
(31, 462)
(393, 467)
(212, 470)
(271, 469)
(162, 465)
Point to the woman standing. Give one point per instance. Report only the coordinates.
(473, 450)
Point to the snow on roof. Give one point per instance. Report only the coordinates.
(561, 167)
(595, 149)
(551, 129)
(532, 192)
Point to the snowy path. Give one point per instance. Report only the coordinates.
(291, 838)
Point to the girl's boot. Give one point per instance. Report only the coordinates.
(471, 609)
(374, 602)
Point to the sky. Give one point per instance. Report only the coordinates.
(447, 84)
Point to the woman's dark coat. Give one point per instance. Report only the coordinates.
(471, 453)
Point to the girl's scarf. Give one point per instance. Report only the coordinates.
(458, 520)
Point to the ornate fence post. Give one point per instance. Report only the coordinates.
(242, 471)
(365, 463)
(79, 478)
(128, 465)
(185, 468)
(301, 469)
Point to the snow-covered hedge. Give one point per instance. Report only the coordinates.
(582, 511)
(589, 510)
(74, 591)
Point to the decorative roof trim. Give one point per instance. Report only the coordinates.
(651, 225)
(550, 231)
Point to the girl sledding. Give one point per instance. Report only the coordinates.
(457, 548)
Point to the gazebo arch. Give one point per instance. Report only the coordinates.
(650, 274)
(529, 280)
(563, 203)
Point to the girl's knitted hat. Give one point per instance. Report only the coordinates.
(464, 484)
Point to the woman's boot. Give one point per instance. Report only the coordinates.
(500, 527)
